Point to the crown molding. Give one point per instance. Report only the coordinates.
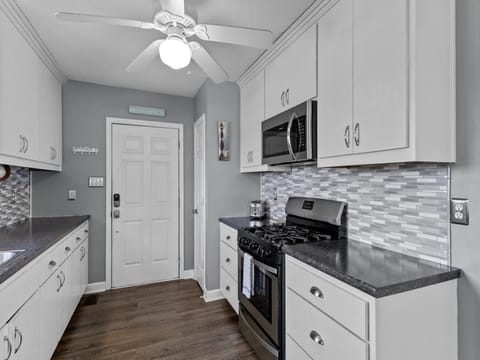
(308, 19)
(18, 18)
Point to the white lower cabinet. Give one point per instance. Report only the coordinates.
(328, 319)
(35, 328)
(228, 265)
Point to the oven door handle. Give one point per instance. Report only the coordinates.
(261, 265)
(289, 135)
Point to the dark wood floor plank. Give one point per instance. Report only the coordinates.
(167, 321)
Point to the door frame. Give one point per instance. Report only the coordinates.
(110, 121)
(195, 248)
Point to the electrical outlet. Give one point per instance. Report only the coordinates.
(459, 211)
(95, 181)
(72, 194)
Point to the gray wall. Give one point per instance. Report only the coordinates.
(85, 107)
(227, 191)
(466, 176)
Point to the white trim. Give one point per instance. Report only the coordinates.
(21, 22)
(308, 19)
(212, 295)
(110, 121)
(188, 274)
(94, 288)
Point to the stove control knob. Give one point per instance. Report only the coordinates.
(253, 246)
(261, 252)
(267, 253)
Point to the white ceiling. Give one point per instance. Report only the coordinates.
(99, 54)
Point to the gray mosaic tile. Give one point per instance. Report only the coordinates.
(15, 197)
(401, 207)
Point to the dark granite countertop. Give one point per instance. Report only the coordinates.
(375, 271)
(34, 235)
(242, 222)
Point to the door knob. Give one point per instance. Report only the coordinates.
(116, 214)
(195, 211)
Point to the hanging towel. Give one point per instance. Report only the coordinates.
(247, 285)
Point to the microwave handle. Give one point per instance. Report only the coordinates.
(289, 136)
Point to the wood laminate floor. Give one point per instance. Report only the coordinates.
(161, 321)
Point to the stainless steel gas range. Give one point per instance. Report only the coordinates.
(261, 290)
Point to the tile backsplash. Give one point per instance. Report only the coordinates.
(401, 207)
(15, 197)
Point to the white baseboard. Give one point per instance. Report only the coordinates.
(212, 295)
(95, 287)
(188, 274)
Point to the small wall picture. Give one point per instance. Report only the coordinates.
(223, 141)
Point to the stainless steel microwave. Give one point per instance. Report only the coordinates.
(291, 137)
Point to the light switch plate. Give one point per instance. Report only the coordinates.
(72, 194)
(95, 181)
(459, 211)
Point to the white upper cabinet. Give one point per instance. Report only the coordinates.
(252, 112)
(335, 81)
(386, 82)
(30, 104)
(290, 78)
(380, 74)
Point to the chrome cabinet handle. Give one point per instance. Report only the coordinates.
(346, 136)
(60, 282)
(287, 96)
(9, 347)
(316, 292)
(228, 260)
(21, 339)
(357, 134)
(67, 249)
(282, 98)
(79, 238)
(28, 145)
(86, 231)
(316, 338)
(84, 252)
(54, 154)
(227, 288)
(228, 237)
(22, 145)
(52, 263)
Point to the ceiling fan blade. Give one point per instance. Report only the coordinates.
(107, 20)
(145, 57)
(207, 63)
(261, 39)
(176, 7)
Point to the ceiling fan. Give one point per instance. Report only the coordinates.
(174, 50)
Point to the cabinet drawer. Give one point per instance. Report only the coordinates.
(294, 351)
(320, 336)
(346, 308)
(228, 235)
(229, 289)
(228, 260)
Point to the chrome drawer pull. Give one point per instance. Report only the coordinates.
(228, 260)
(316, 292)
(79, 238)
(316, 338)
(227, 288)
(60, 282)
(228, 237)
(86, 231)
(67, 249)
(52, 263)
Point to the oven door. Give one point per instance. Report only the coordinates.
(263, 305)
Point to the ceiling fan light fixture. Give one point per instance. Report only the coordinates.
(175, 52)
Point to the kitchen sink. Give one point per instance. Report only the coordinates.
(6, 256)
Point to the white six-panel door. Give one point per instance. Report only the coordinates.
(145, 235)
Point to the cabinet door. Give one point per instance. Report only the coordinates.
(335, 81)
(49, 315)
(251, 117)
(50, 118)
(291, 78)
(66, 294)
(380, 73)
(18, 101)
(25, 330)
